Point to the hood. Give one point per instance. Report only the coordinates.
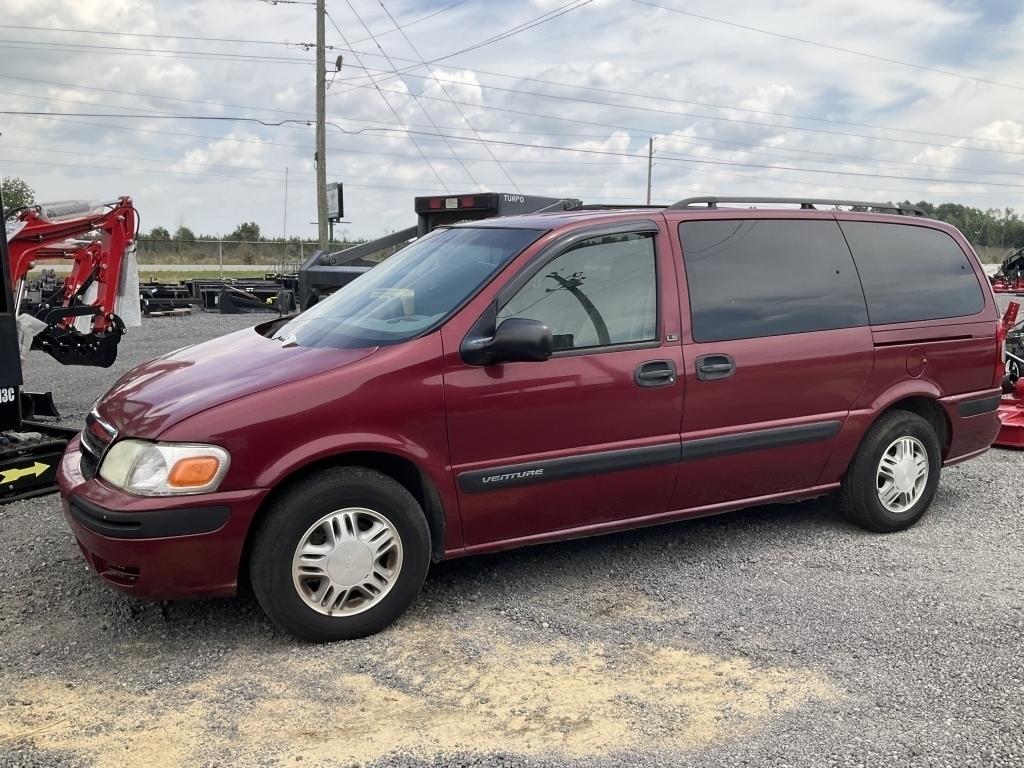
(149, 399)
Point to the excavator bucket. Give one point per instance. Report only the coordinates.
(69, 346)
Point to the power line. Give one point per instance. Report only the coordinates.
(416, 64)
(831, 47)
(535, 115)
(263, 142)
(304, 123)
(571, 184)
(199, 55)
(702, 161)
(395, 73)
(462, 112)
(396, 116)
(395, 113)
(407, 72)
(573, 163)
(512, 31)
(162, 53)
(694, 141)
(408, 24)
(32, 28)
(663, 158)
(419, 104)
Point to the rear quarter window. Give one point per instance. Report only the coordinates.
(749, 278)
(912, 273)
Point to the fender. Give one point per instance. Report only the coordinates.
(914, 388)
(860, 419)
(440, 493)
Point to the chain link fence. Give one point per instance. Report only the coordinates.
(212, 255)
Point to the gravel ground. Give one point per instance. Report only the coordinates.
(778, 636)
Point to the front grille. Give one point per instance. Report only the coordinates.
(96, 438)
(90, 463)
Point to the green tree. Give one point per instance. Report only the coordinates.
(248, 231)
(16, 192)
(185, 235)
(160, 233)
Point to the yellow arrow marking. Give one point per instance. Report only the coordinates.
(16, 474)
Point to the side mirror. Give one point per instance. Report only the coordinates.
(516, 340)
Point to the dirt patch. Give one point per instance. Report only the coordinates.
(433, 690)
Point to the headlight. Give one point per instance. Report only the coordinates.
(164, 469)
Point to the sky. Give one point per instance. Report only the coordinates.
(873, 100)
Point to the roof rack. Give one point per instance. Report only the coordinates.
(615, 206)
(805, 203)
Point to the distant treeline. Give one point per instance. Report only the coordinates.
(245, 245)
(991, 230)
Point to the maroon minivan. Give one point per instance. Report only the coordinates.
(530, 378)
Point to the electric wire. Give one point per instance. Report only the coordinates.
(395, 113)
(830, 47)
(462, 112)
(778, 126)
(663, 157)
(419, 103)
(757, 149)
(417, 63)
(385, 75)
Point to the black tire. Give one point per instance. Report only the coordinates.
(291, 515)
(858, 497)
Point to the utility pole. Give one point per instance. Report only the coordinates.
(284, 224)
(321, 127)
(650, 164)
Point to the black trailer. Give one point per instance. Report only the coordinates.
(323, 273)
(29, 450)
(1013, 265)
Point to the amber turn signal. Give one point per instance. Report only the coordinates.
(193, 472)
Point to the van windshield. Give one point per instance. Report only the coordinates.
(409, 293)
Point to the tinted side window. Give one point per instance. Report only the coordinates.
(912, 273)
(767, 277)
(600, 291)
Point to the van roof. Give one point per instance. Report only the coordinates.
(703, 205)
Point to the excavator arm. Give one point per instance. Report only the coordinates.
(79, 321)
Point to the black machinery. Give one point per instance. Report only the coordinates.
(323, 273)
(29, 450)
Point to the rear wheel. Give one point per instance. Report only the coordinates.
(341, 555)
(892, 479)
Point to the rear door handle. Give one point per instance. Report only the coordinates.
(655, 373)
(711, 367)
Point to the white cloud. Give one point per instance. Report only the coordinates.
(188, 167)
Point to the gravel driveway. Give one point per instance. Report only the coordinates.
(779, 636)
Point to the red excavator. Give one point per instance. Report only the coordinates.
(77, 323)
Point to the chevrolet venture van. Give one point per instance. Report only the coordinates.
(531, 378)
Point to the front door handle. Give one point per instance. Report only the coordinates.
(712, 367)
(655, 373)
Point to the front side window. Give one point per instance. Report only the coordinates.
(411, 292)
(601, 291)
(749, 278)
(912, 272)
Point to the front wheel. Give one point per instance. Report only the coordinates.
(340, 555)
(892, 479)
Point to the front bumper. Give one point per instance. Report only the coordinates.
(157, 548)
